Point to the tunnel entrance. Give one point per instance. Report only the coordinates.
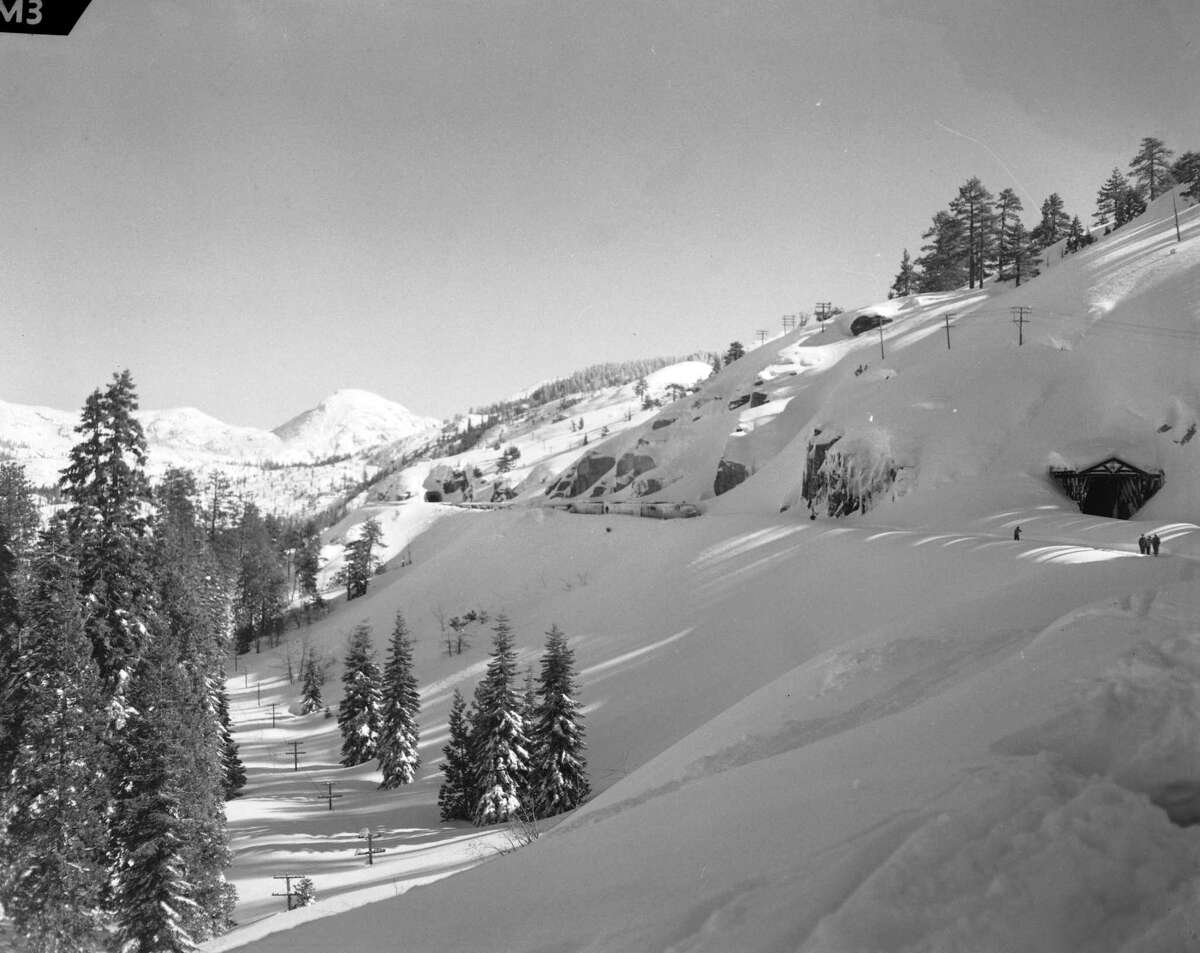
(1111, 488)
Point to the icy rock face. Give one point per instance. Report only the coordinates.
(582, 476)
(729, 474)
(846, 475)
(452, 484)
(630, 467)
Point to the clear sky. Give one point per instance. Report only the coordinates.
(251, 205)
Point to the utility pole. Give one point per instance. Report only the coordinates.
(1175, 206)
(949, 315)
(287, 887)
(273, 704)
(1020, 316)
(789, 323)
(296, 752)
(329, 795)
(823, 310)
(882, 356)
(762, 335)
(258, 688)
(370, 851)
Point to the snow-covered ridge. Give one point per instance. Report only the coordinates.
(346, 423)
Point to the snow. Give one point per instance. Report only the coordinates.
(899, 731)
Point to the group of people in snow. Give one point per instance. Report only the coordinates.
(1146, 544)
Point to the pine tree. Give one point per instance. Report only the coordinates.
(1054, 222)
(109, 492)
(1111, 200)
(906, 281)
(233, 772)
(11, 709)
(18, 512)
(1133, 203)
(314, 679)
(943, 262)
(1008, 213)
(399, 732)
(973, 207)
(154, 897)
(259, 591)
(308, 565)
(558, 769)
(358, 712)
(1023, 253)
(1076, 237)
(360, 561)
(500, 748)
(735, 352)
(52, 814)
(1186, 171)
(181, 687)
(1151, 168)
(456, 796)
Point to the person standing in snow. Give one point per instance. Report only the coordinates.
(1017, 533)
(1154, 542)
(1143, 544)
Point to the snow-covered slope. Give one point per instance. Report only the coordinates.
(1104, 364)
(898, 731)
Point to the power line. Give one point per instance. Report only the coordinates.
(1019, 319)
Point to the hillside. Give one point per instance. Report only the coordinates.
(896, 730)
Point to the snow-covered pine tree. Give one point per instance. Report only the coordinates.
(154, 896)
(558, 772)
(500, 747)
(18, 512)
(358, 712)
(314, 679)
(456, 799)
(108, 524)
(306, 892)
(188, 644)
(52, 829)
(399, 732)
(233, 770)
(528, 701)
(10, 641)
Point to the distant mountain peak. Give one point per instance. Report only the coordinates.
(350, 420)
